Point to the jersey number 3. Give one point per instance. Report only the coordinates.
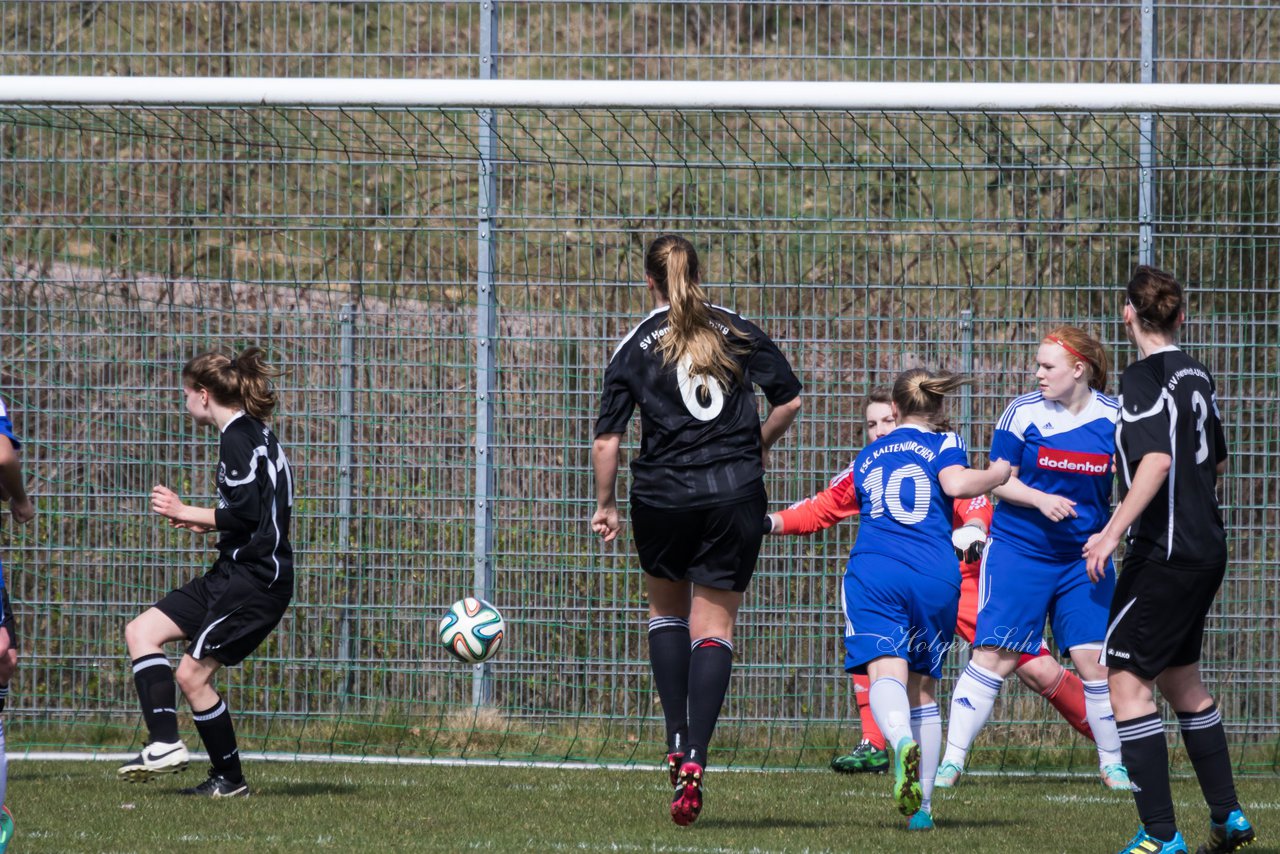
(889, 496)
(701, 394)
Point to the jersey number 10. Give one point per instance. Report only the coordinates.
(889, 496)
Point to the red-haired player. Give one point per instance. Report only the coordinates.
(972, 518)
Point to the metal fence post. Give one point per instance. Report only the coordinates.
(966, 368)
(486, 321)
(345, 414)
(1146, 141)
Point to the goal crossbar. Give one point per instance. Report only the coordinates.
(591, 94)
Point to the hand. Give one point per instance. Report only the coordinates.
(193, 527)
(1056, 508)
(605, 523)
(1003, 468)
(1097, 550)
(23, 511)
(166, 502)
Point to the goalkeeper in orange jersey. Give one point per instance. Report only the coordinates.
(1041, 672)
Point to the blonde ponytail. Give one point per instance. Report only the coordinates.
(695, 331)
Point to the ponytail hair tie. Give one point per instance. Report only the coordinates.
(233, 364)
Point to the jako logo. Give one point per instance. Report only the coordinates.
(1079, 462)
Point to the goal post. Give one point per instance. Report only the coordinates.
(408, 247)
(642, 94)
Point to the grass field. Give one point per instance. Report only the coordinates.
(71, 807)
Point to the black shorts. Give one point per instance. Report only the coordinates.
(1157, 615)
(226, 614)
(711, 546)
(7, 621)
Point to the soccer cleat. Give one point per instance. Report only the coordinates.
(863, 759)
(1145, 843)
(6, 828)
(948, 775)
(687, 801)
(1116, 777)
(674, 761)
(155, 759)
(217, 786)
(906, 777)
(922, 820)
(1235, 832)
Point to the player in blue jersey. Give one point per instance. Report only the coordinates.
(13, 490)
(1059, 439)
(901, 587)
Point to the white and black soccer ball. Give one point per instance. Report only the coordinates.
(472, 630)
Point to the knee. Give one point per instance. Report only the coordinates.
(134, 633)
(8, 664)
(1040, 674)
(189, 678)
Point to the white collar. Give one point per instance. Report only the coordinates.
(231, 420)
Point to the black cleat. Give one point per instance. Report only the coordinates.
(217, 786)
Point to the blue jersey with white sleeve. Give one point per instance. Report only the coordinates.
(904, 512)
(1063, 454)
(6, 427)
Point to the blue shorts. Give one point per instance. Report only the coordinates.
(891, 609)
(1017, 591)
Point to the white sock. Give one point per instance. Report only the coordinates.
(971, 702)
(891, 709)
(1097, 706)
(926, 729)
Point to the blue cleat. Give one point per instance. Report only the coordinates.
(1145, 843)
(948, 775)
(906, 777)
(1235, 832)
(1116, 777)
(922, 820)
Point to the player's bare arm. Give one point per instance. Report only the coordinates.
(1150, 476)
(604, 461)
(1054, 507)
(12, 488)
(166, 503)
(961, 482)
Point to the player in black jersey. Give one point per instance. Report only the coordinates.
(226, 613)
(1170, 450)
(12, 490)
(697, 489)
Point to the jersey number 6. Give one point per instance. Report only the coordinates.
(701, 394)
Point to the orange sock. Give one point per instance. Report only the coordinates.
(871, 732)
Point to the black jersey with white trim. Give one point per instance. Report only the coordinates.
(255, 501)
(1168, 405)
(699, 443)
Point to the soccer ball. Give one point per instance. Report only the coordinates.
(472, 630)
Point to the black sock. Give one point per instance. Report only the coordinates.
(1146, 756)
(219, 737)
(153, 677)
(4, 695)
(669, 658)
(1206, 743)
(710, 664)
